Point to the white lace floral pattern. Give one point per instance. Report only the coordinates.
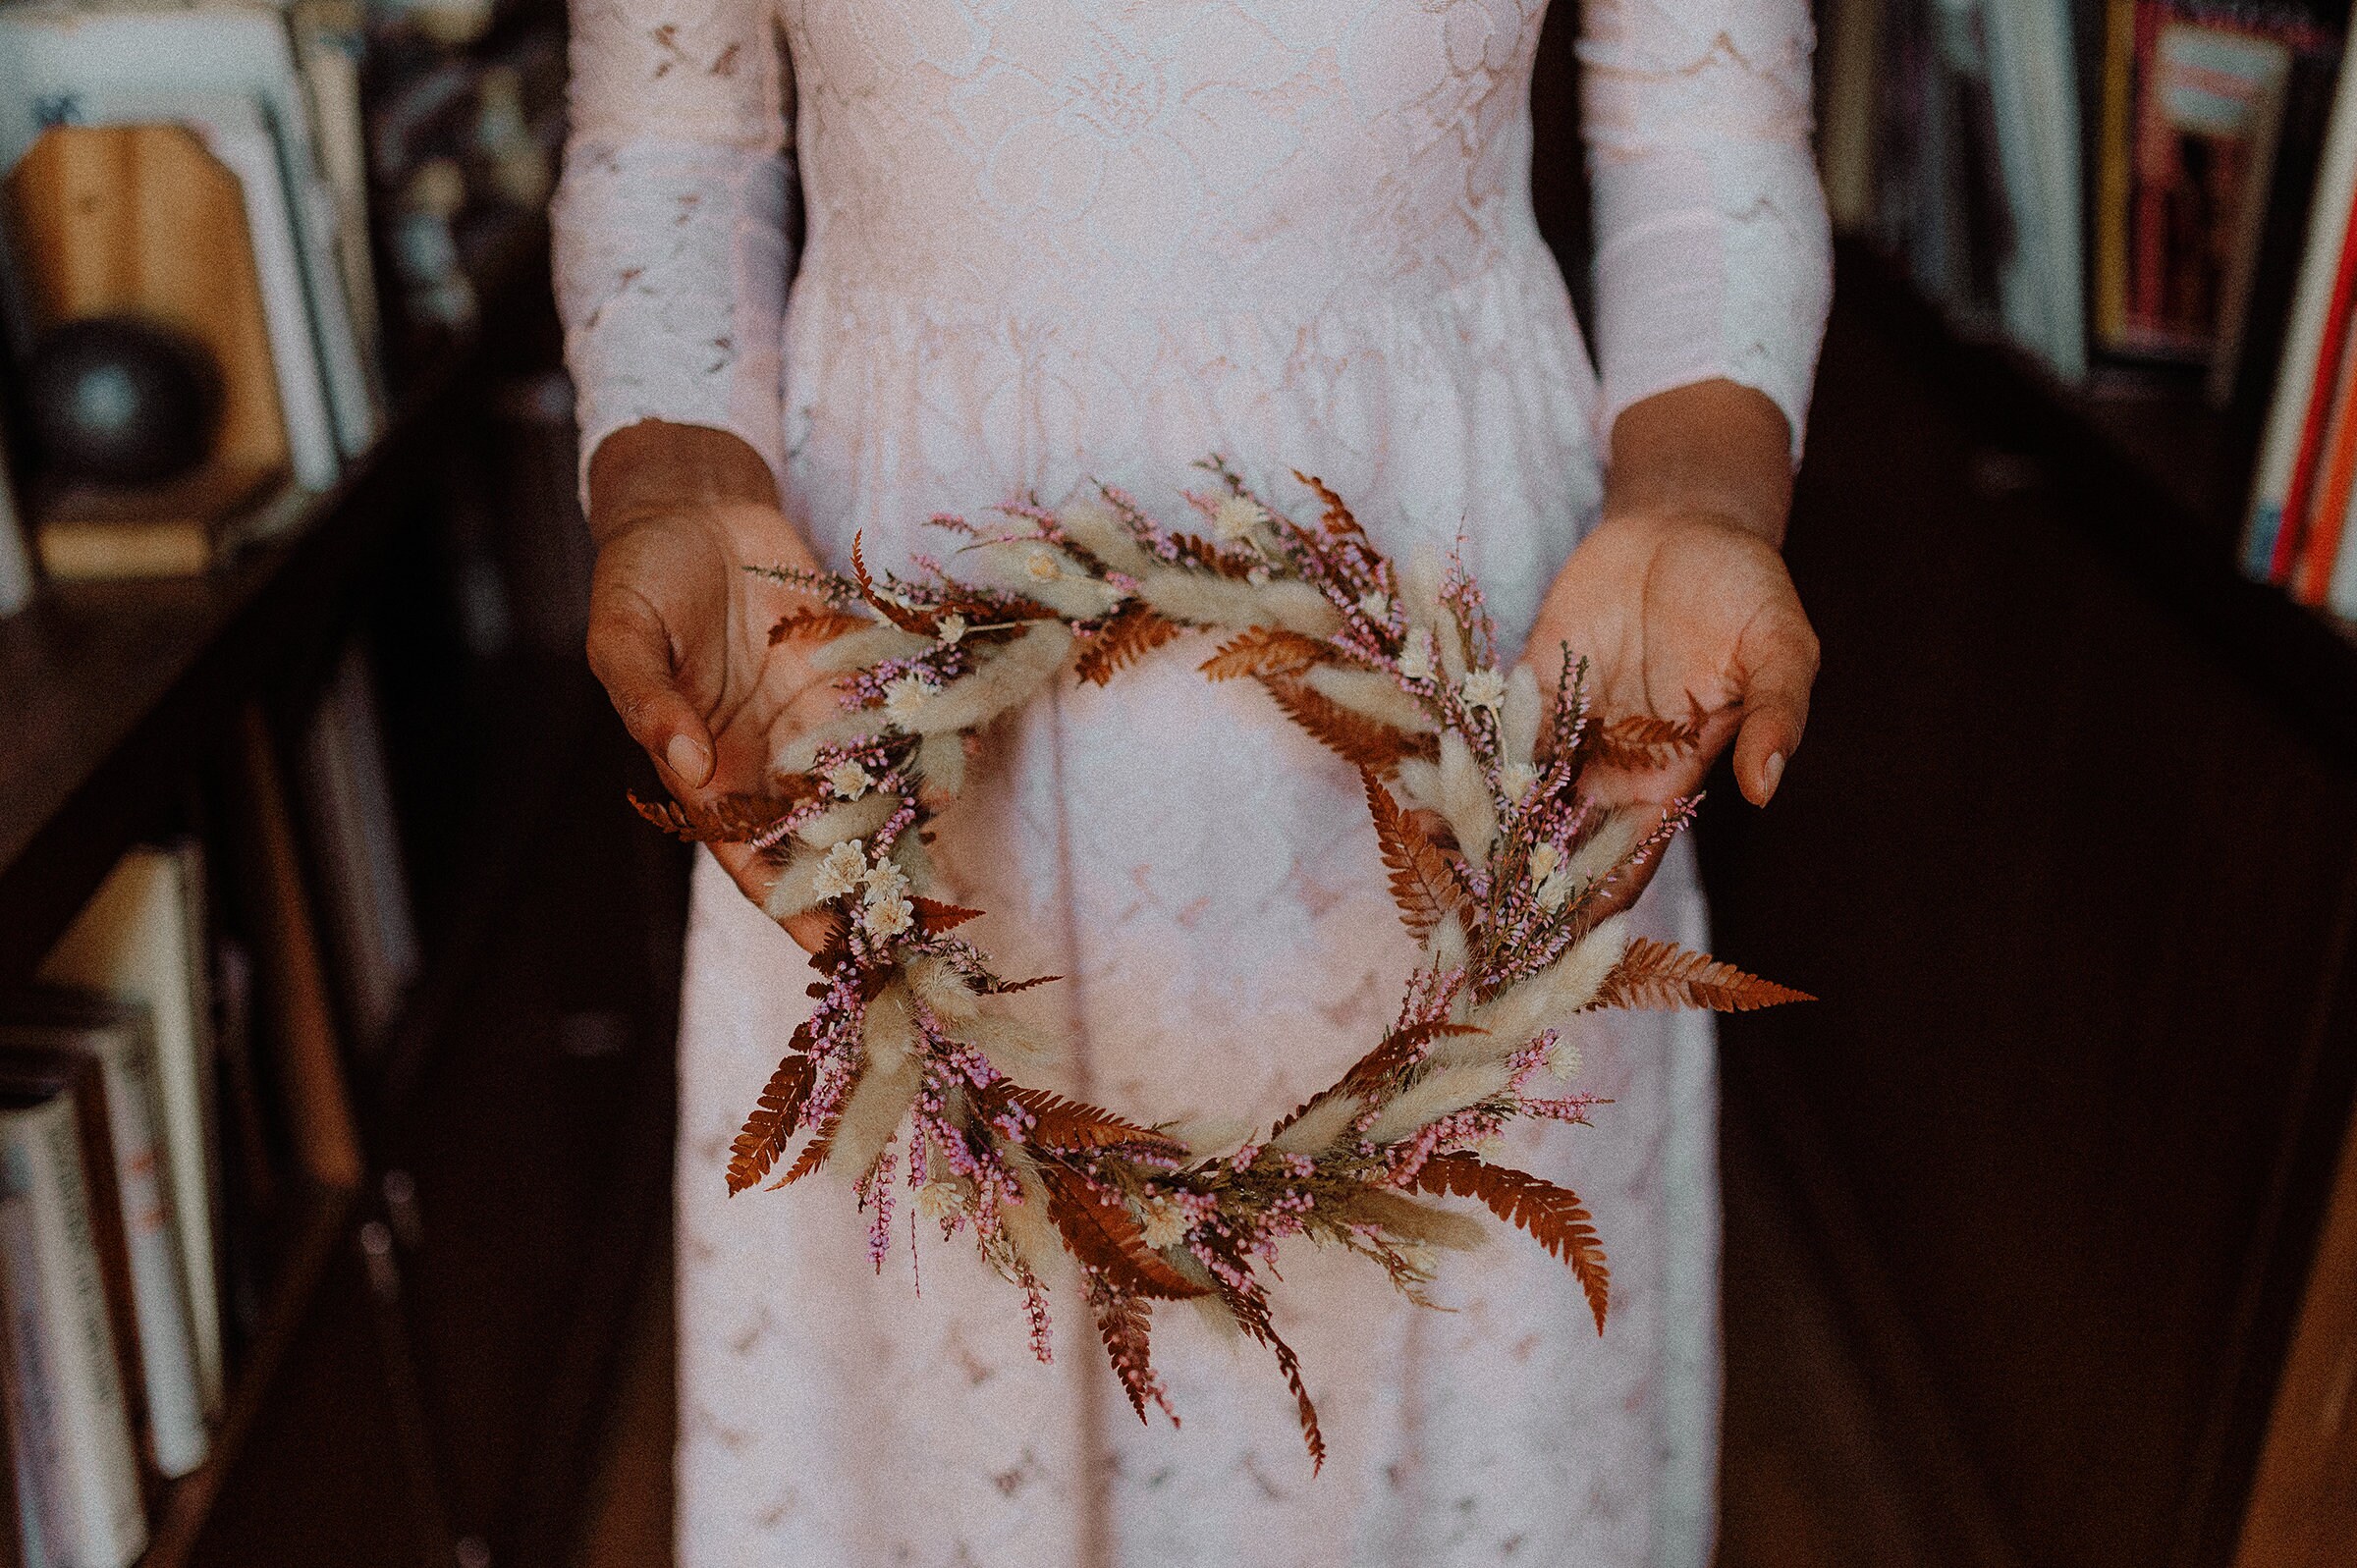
(1051, 238)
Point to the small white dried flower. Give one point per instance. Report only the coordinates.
(1517, 779)
(940, 1202)
(848, 780)
(1554, 892)
(906, 696)
(951, 627)
(1164, 1223)
(1544, 858)
(888, 917)
(841, 871)
(1483, 687)
(1416, 656)
(1375, 604)
(885, 881)
(1041, 566)
(1564, 1060)
(1234, 518)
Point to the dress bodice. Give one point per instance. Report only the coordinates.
(1045, 157)
(1144, 168)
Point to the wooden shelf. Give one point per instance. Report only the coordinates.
(2160, 482)
(112, 688)
(322, 1223)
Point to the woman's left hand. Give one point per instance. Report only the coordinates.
(1679, 599)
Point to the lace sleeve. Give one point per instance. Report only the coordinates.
(670, 221)
(1713, 257)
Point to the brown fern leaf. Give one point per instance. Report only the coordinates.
(1337, 518)
(1662, 974)
(1125, 1323)
(776, 1116)
(1133, 633)
(732, 819)
(935, 917)
(1641, 741)
(1553, 1216)
(814, 1155)
(1250, 1307)
(1364, 742)
(815, 626)
(1104, 1236)
(1424, 882)
(1072, 1126)
(1194, 550)
(1396, 1051)
(1265, 651)
(921, 622)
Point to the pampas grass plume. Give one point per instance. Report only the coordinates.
(1373, 694)
(1006, 682)
(1547, 1000)
(1098, 530)
(1436, 1095)
(1465, 798)
(869, 645)
(853, 819)
(1007, 563)
(1319, 1127)
(886, 1088)
(1406, 1220)
(943, 990)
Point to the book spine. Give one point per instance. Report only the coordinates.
(107, 1525)
(167, 1349)
(2116, 174)
(186, 1077)
(2310, 363)
(35, 1442)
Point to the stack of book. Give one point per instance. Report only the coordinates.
(173, 1083)
(2221, 195)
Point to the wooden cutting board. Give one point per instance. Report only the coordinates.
(141, 220)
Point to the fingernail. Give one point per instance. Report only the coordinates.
(687, 759)
(1772, 770)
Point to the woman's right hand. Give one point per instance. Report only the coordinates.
(679, 628)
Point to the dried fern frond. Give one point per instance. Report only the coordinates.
(732, 819)
(815, 626)
(1424, 882)
(1128, 636)
(1338, 517)
(814, 1155)
(1074, 1126)
(1106, 1237)
(1126, 1323)
(1553, 1216)
(776, 1116)
(1662, 974)
(1249, 1306)
(1643, 741)
(937, 917)
(1265, 651)
(1363, 742)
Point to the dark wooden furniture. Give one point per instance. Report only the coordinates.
(2071, 854)
(420, 1382)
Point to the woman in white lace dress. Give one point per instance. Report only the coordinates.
(1049, 239)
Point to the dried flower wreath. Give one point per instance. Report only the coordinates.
(1511, 877)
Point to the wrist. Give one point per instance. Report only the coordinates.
(1712, 451)
(654, 469)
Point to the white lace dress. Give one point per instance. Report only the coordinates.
(1055, 238)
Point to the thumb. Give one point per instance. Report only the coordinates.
(630, 651)
(1779, 655)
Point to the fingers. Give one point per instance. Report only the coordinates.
(1780, 669)
(630, 651)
